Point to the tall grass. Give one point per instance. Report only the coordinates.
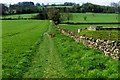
(18, 49)
(80, 61)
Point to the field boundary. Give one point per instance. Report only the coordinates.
(19, 19)
(109, 48)
(78, 23)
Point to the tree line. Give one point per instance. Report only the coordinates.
(53, 11)
(30, 7)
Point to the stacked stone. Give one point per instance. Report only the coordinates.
(109, 48)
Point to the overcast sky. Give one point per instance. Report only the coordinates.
(100, 2)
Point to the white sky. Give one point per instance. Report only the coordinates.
(100, 2)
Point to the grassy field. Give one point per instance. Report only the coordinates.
(29, 52)
(82, 62)
(102, 34)
(74, 28)
(20, 16)
(93, 17)
(20, 40)
(0, 48)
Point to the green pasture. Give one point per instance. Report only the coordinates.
(64, 58)
(74, 28)
(79, 61)
(29, 52)
(93, 17)
(20, 16)
(19, 44)
(102, 34)
(82, 62)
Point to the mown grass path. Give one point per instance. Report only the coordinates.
(46, 63)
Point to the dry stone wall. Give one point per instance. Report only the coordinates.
(109, 48)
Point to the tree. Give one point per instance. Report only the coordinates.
(23, 8)
(26, 4)
(69, 4)
(113, 4)
(66, 16)
(85, 18)
(0, 10)
(116, 6)
(38, 4)
(54, 14)
(69, 16)
(4, 9)
(41, 16)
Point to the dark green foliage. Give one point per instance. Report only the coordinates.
(29, 7)
(42, 16)
(3, 9)
(54, 14)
